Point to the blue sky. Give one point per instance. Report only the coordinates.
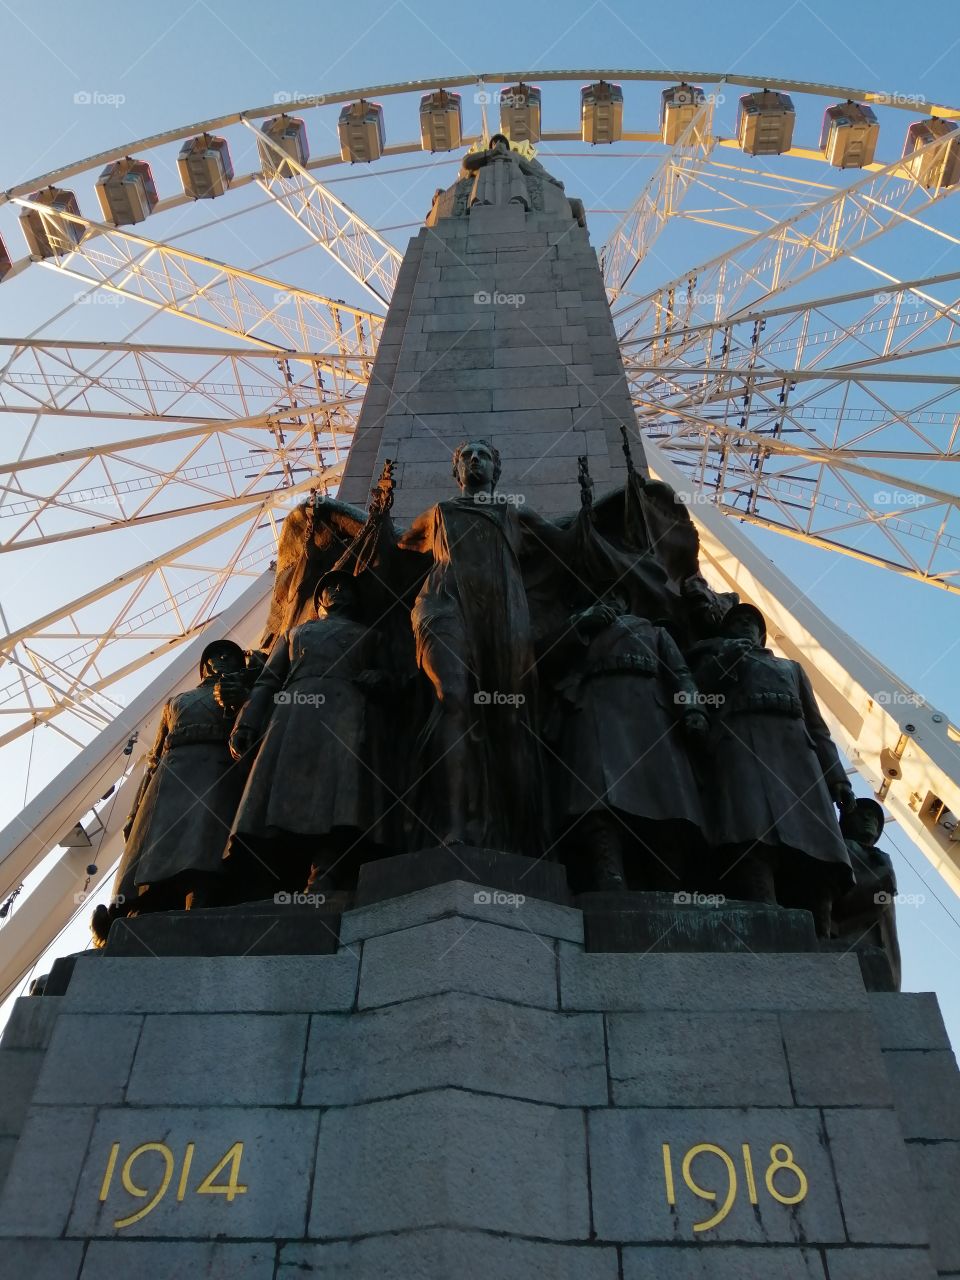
(149, 68)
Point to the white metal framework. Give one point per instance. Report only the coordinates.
(798, 378)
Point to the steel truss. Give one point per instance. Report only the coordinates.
(659, 201)
(372, 261)
(837, 226)
(228, 299)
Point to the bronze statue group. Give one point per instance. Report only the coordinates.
(570, 689)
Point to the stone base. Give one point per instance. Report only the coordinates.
(874, 964)
(510, 873)
(462, 1090)
(264, 928)
(690, 922)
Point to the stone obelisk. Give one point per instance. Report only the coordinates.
(498, 328)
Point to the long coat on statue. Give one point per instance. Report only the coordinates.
(473, 604)
(616, 725)
(190, 796)
(318, 768)
(773, 760)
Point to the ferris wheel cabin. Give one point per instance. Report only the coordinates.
(849, 135)
(127, 192)
(48, 235)
(290, 135)
(520, 113)
(765, 123)
(601, 112)
(441, 121)
(361, 132)
(206, 169)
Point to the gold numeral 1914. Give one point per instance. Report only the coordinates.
(208, 1186)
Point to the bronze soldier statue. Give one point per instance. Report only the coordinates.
(474, 642)
(866, 914)
(775, 773)
(625, 700)
(178, 827)
(316, 802)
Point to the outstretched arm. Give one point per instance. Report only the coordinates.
(255, 713)
(827, 754)
(679, 678)
(419, 534)
(558, 537)
(476, 160)
(153, 759)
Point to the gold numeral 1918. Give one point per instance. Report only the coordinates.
(781, 1162)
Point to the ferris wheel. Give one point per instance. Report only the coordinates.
(782, 271)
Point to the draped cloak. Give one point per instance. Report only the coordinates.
(473, 601)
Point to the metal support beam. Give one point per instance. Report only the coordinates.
(265, 312)
(659, 200)
(782, 256)
(372, 261)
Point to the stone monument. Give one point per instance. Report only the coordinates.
(541, 933)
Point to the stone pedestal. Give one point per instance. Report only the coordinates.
(461, 1090)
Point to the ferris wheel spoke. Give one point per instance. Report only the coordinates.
(152, 383)
(659, 200)
(787, 254)
(792, 489)
(886, 314)
(229, 299)
(248, 464)
(370, 259)
(765, 399)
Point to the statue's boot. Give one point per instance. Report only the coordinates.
(819, 902)
(604, 854)
(608, 870)
(206, 891)
(751, 879)
(321, 879)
